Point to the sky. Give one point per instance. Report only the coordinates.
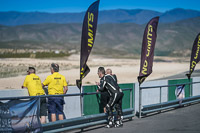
(56, 6)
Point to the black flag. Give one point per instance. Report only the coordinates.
(147, 53)
(195, 56)
(87, 41)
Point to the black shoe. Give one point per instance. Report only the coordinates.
(110, 122)
(118, 125)
(109, 126)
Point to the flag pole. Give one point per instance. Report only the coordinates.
(189, 80)
(195, 58)
(140, 81)
(147, 55)
(140, 101)
(87, 41)
(81, 100)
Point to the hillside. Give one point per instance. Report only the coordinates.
(138, 16)
(117, 39)
(177, 15)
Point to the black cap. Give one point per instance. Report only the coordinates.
(55, 67)
(31, 68)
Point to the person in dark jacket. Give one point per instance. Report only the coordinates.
(109, 71)
(109, 83)
(104, 94)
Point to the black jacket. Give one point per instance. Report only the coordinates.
(109, 82)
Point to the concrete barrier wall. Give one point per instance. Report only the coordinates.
(13, 92)
(196, 87)
(92, 103)
(72, 103)
(151, 96)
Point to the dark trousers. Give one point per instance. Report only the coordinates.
(116, 102)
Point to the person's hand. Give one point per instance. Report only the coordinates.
(97, 83)
(97, 90)
(24, 87)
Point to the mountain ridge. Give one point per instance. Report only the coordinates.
(174, 39)
(138, 16)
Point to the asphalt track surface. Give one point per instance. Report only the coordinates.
(181, 120)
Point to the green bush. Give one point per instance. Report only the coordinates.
(36, 55)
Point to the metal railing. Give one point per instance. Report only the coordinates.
(143, 110)
(79, 122)
(167, 105)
